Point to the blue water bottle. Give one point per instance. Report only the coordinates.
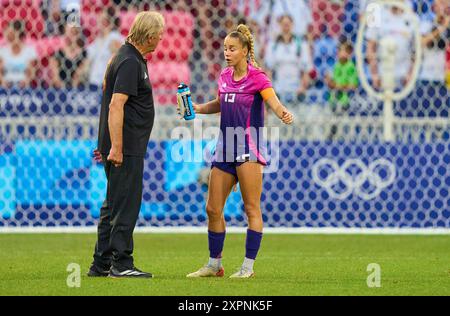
(185, 102)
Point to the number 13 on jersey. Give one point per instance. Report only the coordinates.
(230, 97)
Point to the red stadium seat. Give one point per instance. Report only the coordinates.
(94, 4)
(165, 77)
(47, 46)
(90, 24)
(177, 40)
(329, 14)
(448, 56)
(168, 66)
(90, 17)
(126, 20)
(25, 10)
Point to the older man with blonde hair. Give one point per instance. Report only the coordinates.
(126, 122)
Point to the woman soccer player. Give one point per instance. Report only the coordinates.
(243, 89)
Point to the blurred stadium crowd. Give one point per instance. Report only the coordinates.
(305, 45)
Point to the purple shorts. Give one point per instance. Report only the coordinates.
(230, 167)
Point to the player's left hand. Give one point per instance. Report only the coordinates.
(197, 108)
(287, 118)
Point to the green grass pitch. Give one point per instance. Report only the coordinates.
(287, 265)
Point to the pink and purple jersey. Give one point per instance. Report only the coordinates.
(242, 117)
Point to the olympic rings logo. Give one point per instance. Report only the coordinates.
(354, 177)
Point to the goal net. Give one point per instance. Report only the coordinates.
(335, 167)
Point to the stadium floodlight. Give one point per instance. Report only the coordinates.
(387, 94)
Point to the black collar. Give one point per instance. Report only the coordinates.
(135, 50)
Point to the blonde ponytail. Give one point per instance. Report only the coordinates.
(247, 40)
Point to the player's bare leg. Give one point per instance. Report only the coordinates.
(220, 186)
(250, 177)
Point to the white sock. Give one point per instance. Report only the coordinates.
(248, 264)
(215, 263)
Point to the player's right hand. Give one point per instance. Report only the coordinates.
(181, 113)
(97, 156)
(197, 108)
(115, 157)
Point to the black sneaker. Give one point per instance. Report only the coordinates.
(131, 273)
(97, 272)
